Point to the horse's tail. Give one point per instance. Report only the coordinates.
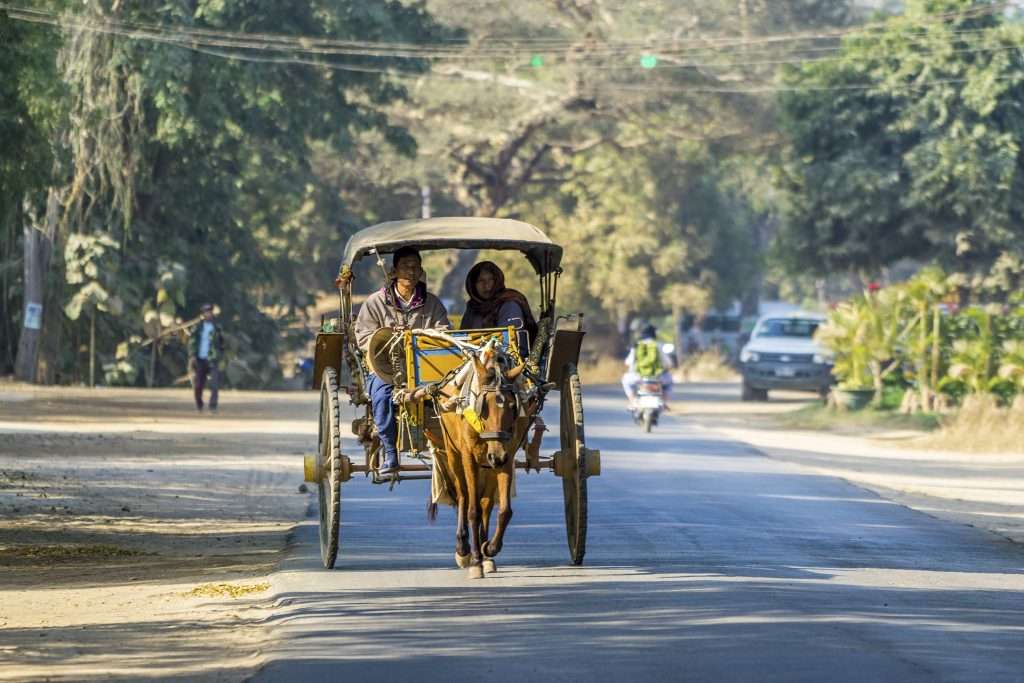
(431, 512)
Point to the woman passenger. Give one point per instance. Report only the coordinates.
(492, 304)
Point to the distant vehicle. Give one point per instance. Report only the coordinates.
(727, 329)
(719, 328)
(782, 354)
(650, 402)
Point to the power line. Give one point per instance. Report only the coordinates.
(773, 88)
(202, 41)
(801, 61)
(177, 39)
(331, 46)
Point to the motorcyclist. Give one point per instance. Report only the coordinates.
(646, 359)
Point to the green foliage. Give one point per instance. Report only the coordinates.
(186, 157)
(122, 371)
(972, 361)
(90, 262)
(1011, 367)
(162, 310)
(905, 335)
(237, 181)
(907, 145)
(845, 333)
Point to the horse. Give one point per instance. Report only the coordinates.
(485, 415)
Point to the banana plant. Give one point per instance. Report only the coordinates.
(885, 313)
(845, 334)
(925, 293)
(1011, 366)
(973, 352)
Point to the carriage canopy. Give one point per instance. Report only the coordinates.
(457, 233)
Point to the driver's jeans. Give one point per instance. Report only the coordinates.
(383, 415)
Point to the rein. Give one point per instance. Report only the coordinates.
(472, 392)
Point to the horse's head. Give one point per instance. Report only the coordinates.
(497, 405)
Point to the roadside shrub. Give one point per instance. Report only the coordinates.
(915, 337)
(707, 366)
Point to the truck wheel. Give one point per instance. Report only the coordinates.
(747, 394)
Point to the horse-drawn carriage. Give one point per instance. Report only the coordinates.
(441, 379)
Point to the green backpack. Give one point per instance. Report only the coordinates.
(648, 360)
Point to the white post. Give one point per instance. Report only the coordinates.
(425, 193)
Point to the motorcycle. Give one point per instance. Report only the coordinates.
(649, 403)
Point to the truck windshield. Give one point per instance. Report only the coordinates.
(788, 327)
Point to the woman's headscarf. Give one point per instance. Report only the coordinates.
(487, 309)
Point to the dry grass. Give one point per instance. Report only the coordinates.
(708, 366)
(981, 426)
(856, 422)
(226, 590)
(605, 370)
(70, 552)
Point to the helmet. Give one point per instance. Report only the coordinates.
(648, 332)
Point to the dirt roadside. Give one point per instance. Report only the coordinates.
(135, 533)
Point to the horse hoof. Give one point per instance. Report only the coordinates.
(476, 572)
(489, 566)
(463, 561)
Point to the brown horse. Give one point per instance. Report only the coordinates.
(484, 423)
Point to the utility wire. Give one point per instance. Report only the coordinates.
(196, 40)
(773, 88)
(179, 40)
(318, 45)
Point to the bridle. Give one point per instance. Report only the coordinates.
(470, 397)
(498, 386)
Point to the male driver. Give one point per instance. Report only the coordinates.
(646, 360)
(205, 347)
(403, 303)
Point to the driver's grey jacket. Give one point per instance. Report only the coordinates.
(381, 310)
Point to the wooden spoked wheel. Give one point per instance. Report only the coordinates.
(574, 479)
(329, 468)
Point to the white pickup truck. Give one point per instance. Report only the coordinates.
(782, 354)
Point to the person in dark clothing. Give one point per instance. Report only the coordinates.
(492, 304)
(205, 348)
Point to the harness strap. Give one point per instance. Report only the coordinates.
(496, 436)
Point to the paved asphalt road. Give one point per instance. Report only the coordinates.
(705, 561)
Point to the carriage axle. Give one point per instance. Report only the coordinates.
(591, 459)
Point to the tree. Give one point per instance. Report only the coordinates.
(201, 156)
(90, 266)
(566, 79)
(30, 108)
(908, 144)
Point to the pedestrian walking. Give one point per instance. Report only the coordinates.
(205, 347)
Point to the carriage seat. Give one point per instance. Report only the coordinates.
(429, 359)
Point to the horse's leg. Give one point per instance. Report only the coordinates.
(473, 516)
(490, 486)
(462, 558)
(504, 512)
(487, 494)
(458, 480)
(486, 505)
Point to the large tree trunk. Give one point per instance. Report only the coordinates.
(11, 223)
(453, 285)
(38, 247)
(623, 340)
